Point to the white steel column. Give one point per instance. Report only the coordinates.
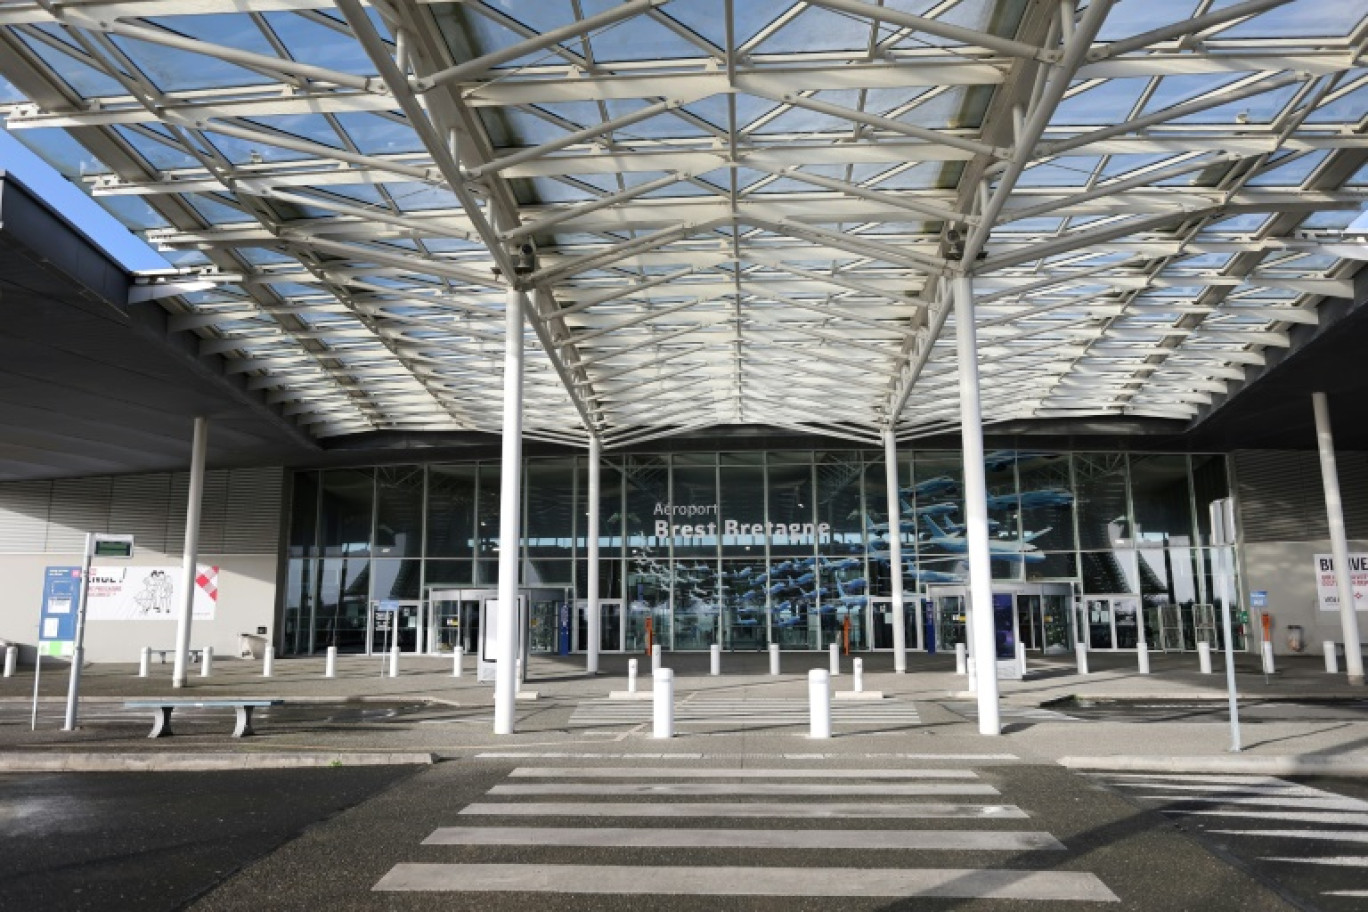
(1339, 544)
(190, 553)
(591, 649)
(510, 498)
(976, 510)
(895, 552)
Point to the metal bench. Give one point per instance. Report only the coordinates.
(161, 716)
(194, 653)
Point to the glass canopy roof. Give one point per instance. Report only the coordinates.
(721, 211)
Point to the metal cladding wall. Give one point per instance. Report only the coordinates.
(43, 524)
(1283, 527)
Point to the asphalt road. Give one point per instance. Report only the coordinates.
(90, 842)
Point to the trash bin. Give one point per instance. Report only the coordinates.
(251, 645)
(1295, 639)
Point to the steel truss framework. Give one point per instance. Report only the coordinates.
(722, 211)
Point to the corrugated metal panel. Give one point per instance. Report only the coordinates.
(254, 511)
(79, 505)
(175, 515)
(139, 508)
(1281, 496)
(213, 512)
(24, 507)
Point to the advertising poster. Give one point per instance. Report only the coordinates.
(1327, 591)
(126, 593)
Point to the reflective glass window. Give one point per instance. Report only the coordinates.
(399, 511)
(451, 511)
(346, 511)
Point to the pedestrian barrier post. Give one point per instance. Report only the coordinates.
(207, 662)
(457, 655)
(1081, 654)
(268, 662)
(959, 659)
(857, 669)
(774, 658)
(394, 662)
(662, 686)
(819, 703)
(715, 659)
(1204, 657)
(144, 662)
(1331, 657)
(631, 675)
(835, 660)
(330, 663)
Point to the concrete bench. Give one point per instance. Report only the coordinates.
(194, 654)
(161, 716)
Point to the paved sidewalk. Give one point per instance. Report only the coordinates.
(425, 713)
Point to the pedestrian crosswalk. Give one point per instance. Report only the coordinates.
(628, 816)
(1270, 820)
(750, 712)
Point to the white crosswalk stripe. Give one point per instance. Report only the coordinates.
(904, 858)
(767, 711)
(1332, 822)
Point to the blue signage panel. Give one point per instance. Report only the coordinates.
(61, 600)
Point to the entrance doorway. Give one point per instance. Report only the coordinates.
(881, 622)
(394, 623)
(454, 617)
(1035, 614)
(611, 629)
(1112, 621)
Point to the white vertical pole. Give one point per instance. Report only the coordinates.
(510, 498)
(268, 661)
(1331, 660)
(457, 655)
(1204, 657)
(857, 669)
(774, 658)
(330, 662)
(715, 659)
(12, 658)
(591, 651)
(78, 653)
(207, 662)
(190, 553)
(631, 676)
(895, 552)
(984, 650)
(1339, 544)
(835, 651)
(145, 662)
(1222, 540)
(655, 658)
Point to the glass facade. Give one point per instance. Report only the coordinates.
(747, 549)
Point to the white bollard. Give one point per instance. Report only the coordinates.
(144, 663)
(631, 675)
(715, 659)
(394, 662)
(662, 686)
(774, 658)
(655, 660)
(457, 655)
(959, 659)
(330, 663)
(819, 703)
(857, 669)
(1142, 658)
(1204, 657)
(972, 668)
(268, 662)
(1331, 657)
(12, 659)
(1081, 654)
(1268, 666)
(207, 662)
(835, 660)
(1021, 658)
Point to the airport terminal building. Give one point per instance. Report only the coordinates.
(748, 325)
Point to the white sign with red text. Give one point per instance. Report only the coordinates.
(124, 593)
(1327, 591)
